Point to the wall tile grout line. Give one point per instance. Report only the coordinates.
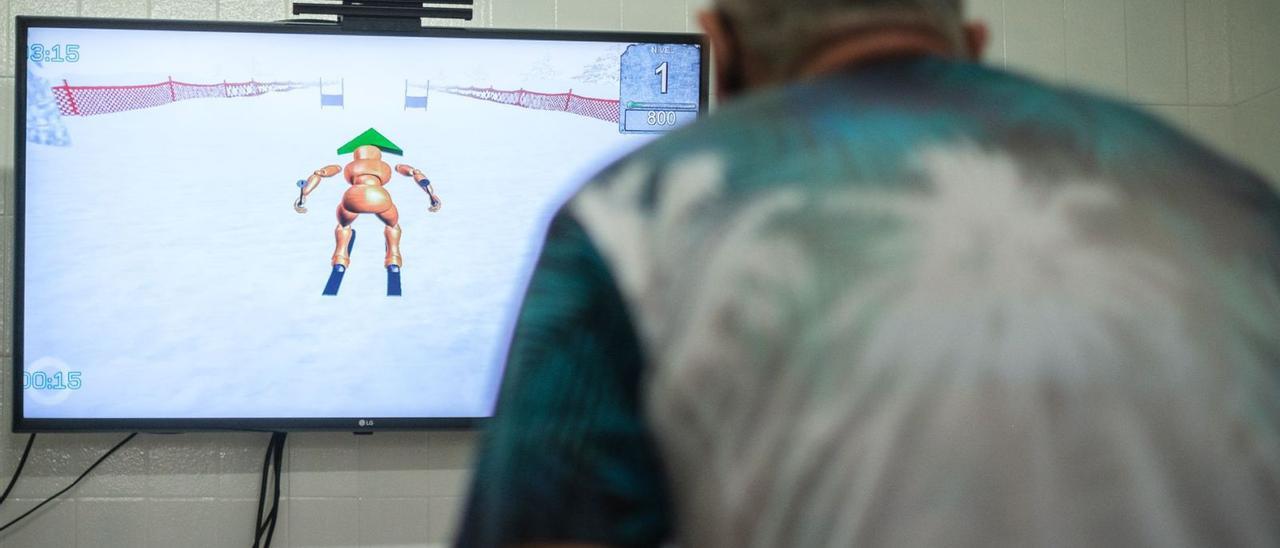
(1066, 77)
(1128, 90)
(1187, 51)
(1256, 96)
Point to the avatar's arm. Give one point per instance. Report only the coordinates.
(312, 182)
(422, 180)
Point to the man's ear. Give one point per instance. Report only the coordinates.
(976, 37)
(724, 52)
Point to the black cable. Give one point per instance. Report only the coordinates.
(276, 457)
(18, 472)
(267, 467)
(262, 491)
(272, 462)
(260, 525)
(275, 501)
(73, 484)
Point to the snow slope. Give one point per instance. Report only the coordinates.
(165, 262)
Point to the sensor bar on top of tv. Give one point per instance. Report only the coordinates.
(415, 3)
(385, 11)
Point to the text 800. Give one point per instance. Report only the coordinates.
(662, 118)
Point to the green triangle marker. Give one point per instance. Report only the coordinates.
(371, 137)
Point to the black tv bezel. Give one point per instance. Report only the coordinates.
(335, 424)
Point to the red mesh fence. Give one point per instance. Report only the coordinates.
(92, 100)
(600, 109)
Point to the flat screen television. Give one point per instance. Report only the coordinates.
(168, 277)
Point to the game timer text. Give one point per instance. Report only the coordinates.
(56, 53)
(39, 380)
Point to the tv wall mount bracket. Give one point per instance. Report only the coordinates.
(387, 15)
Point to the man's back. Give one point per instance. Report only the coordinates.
(920, 302)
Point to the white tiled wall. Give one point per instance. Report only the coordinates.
(1207, 65)
(1095, 49)
(1035, 37)
(1255, 81)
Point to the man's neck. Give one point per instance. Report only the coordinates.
(874, 45)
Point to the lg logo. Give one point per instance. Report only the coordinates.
(365, 422)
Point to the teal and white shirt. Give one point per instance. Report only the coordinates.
(918, 303)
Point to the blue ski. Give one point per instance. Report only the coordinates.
(335, 280)
(393, 281)
(335, 277)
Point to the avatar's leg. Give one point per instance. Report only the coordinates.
(392, 219)
(342, 237)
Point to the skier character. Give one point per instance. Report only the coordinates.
(367, 174)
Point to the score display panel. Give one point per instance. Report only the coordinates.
(209, 303)
(659, 87)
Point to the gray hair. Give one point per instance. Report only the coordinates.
(782, 32)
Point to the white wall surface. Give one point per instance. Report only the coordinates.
(1206, 65)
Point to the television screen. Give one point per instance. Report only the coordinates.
(270, 226)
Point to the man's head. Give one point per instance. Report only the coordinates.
(760, 42)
